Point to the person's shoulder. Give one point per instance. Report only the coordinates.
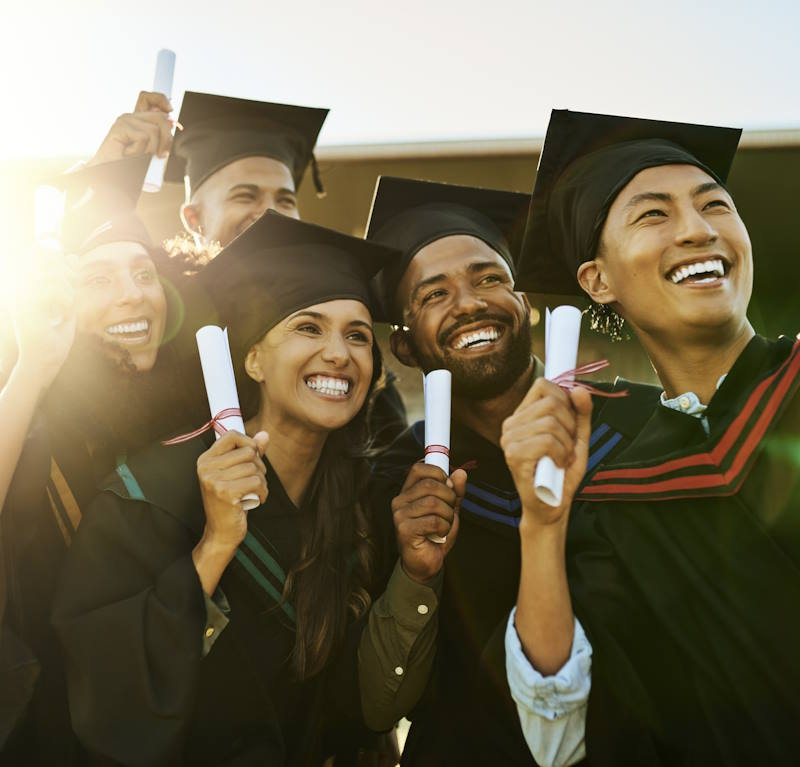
(407, 448)
(163, 476)
(628, 410)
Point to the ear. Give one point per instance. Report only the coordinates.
(592, 279)
(191, 217)
(402, 349)
(252, 365)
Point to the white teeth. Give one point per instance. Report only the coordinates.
(129, 327)
(714, 268)
(484, 335)
(333, 387)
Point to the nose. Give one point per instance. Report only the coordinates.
(694, 228)
(467, 301)
(130, 292)
(335, 351)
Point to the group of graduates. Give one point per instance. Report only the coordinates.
(148, 619)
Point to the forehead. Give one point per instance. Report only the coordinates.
(665, 179)
(450, 256)
(115, 253)
(264, 172)
(340, 311)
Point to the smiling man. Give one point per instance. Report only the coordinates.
(453, 299)
(682, 562)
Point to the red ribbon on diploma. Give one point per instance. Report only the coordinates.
(214, 423)
(437, 449)
(565, 380)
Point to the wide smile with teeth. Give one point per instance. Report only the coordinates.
(698, 272)
(330, 387)
(476, 339)
(137, 330)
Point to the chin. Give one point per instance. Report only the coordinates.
(320, 420)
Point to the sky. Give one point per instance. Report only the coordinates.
(414, 70)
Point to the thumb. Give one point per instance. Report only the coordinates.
(582, 402)
(459, 480)
(262, 439)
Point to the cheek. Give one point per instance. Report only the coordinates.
(89, 312)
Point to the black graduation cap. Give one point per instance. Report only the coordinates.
(409, 214)
(101, 202)
(586, 161)
(219, 129)
(280, 265)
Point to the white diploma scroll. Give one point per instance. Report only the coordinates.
(215, 359)
(436, 389)
(562, 333)
(162, 83)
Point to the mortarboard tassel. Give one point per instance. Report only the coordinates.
(321, 193)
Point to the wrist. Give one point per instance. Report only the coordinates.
(549, 531)
(212, 546)
(424, 578)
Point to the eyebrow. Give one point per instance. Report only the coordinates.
(255, 189)
(318, 316)
(709, 186)
(478, 266)
(112, 263)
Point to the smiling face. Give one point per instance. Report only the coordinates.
(238, 194)
(315, 367)
(458, 302)
(120, 300)
(674, 257)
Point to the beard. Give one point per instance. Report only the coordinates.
(489, 375)
(100, 398)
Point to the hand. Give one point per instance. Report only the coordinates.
(551, 422)
(44, 316)
(427, 505)
(147, 130)
(231, 468)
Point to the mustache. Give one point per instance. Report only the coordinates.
(446, 335)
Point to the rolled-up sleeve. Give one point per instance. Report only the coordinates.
(397, 648)
(551, 709)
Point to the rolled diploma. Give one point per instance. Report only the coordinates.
(215, 359)
(436, 389)
(162, 83)
(562, 333)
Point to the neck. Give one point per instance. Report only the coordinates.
(485, 417)
(695, 364)
(293, 451)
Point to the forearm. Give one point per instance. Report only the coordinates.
(210, 560)
(397, 648)
(18, 402)
(544, 618)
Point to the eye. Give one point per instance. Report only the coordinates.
(146, 276)
(438, 293)
(310, 328)
(244, 197)
(716, 204)
(491, 279)
(359, 337)
(287, 202)
(96, 280)
(652, 213)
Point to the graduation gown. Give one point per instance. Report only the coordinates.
(684, 565)
(54, 480)
(467, 716)
(131, 616)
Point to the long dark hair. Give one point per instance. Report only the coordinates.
(329, 584)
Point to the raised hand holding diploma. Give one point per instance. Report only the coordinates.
(162, 83)
(437, 389)
(562, 334)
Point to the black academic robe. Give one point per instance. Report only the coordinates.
(54, 479)
(684, 567)
(467, 716)
(131, 616)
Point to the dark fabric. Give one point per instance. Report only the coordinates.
(409, 214)
(690, 603)
(280, 265)
(130, 614)
(586, 161)
(33, 548)
(467, 716)
(217, 130)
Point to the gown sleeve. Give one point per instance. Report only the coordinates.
(130, 615)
